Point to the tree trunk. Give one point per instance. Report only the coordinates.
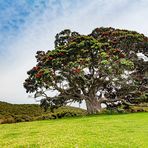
(93, 106)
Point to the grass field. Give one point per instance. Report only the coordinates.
(100, 131)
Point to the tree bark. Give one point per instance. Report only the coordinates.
(93, 106)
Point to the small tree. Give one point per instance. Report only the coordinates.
(102, 67)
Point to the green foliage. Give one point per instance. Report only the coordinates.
(123, 109)
(127, 63)
(104, 62)
(110, 57)
(142, 98)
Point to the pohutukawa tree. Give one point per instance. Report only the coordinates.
(102, 67)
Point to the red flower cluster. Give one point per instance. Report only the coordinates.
(36, 68)
(50, 58)
(146, 39)
(105, 33)
(61, 53)
(117, 61)
(121, 55)
(39, 75)
(117, 50)
(114, 41)
(77, 70)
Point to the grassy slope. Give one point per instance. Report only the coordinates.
(10, 113)
(105, 131)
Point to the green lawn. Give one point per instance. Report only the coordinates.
(104, 131)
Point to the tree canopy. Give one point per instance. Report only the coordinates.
(101, 67)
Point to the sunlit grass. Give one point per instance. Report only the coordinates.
(104, 131)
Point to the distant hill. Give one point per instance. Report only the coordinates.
(11, 113)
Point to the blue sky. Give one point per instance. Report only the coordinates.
(30, 25)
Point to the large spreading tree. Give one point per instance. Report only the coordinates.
(102, 67)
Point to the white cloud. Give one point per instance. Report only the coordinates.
(39, 32)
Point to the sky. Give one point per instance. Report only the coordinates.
(27, 26)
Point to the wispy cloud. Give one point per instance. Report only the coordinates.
(37, 22)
